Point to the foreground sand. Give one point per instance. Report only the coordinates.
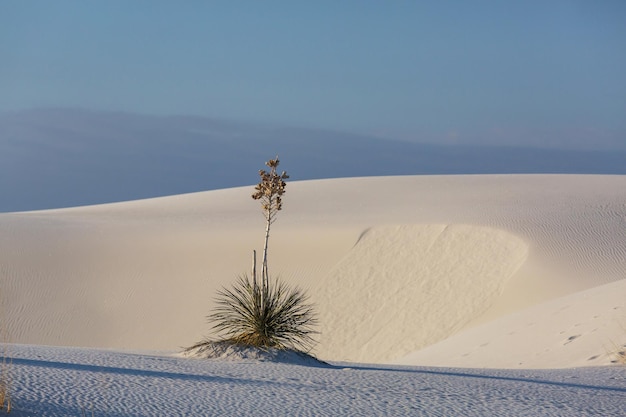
(499, 271)
(60, 382)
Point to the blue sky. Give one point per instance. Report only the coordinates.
(506, 72)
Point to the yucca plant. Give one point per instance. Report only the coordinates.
(264, 313)
(266, 316)
(270, 191)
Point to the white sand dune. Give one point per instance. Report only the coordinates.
(580, 329)
(425, 279)
(395, 264)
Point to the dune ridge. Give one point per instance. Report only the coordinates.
(142, 274)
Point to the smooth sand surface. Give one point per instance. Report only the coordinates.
(395, 264)
(580, 329)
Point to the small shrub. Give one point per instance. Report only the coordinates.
(266, 316)
(5, 383)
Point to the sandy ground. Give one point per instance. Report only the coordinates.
(395, 265)
(60, 382)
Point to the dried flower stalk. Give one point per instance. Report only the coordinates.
(270, 191)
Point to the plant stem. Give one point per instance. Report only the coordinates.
(254, 268)
(268, 223)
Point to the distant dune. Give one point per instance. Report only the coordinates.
(468, 270)
(52, 158)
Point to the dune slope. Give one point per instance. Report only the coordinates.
(399, 281)
(394, 263)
